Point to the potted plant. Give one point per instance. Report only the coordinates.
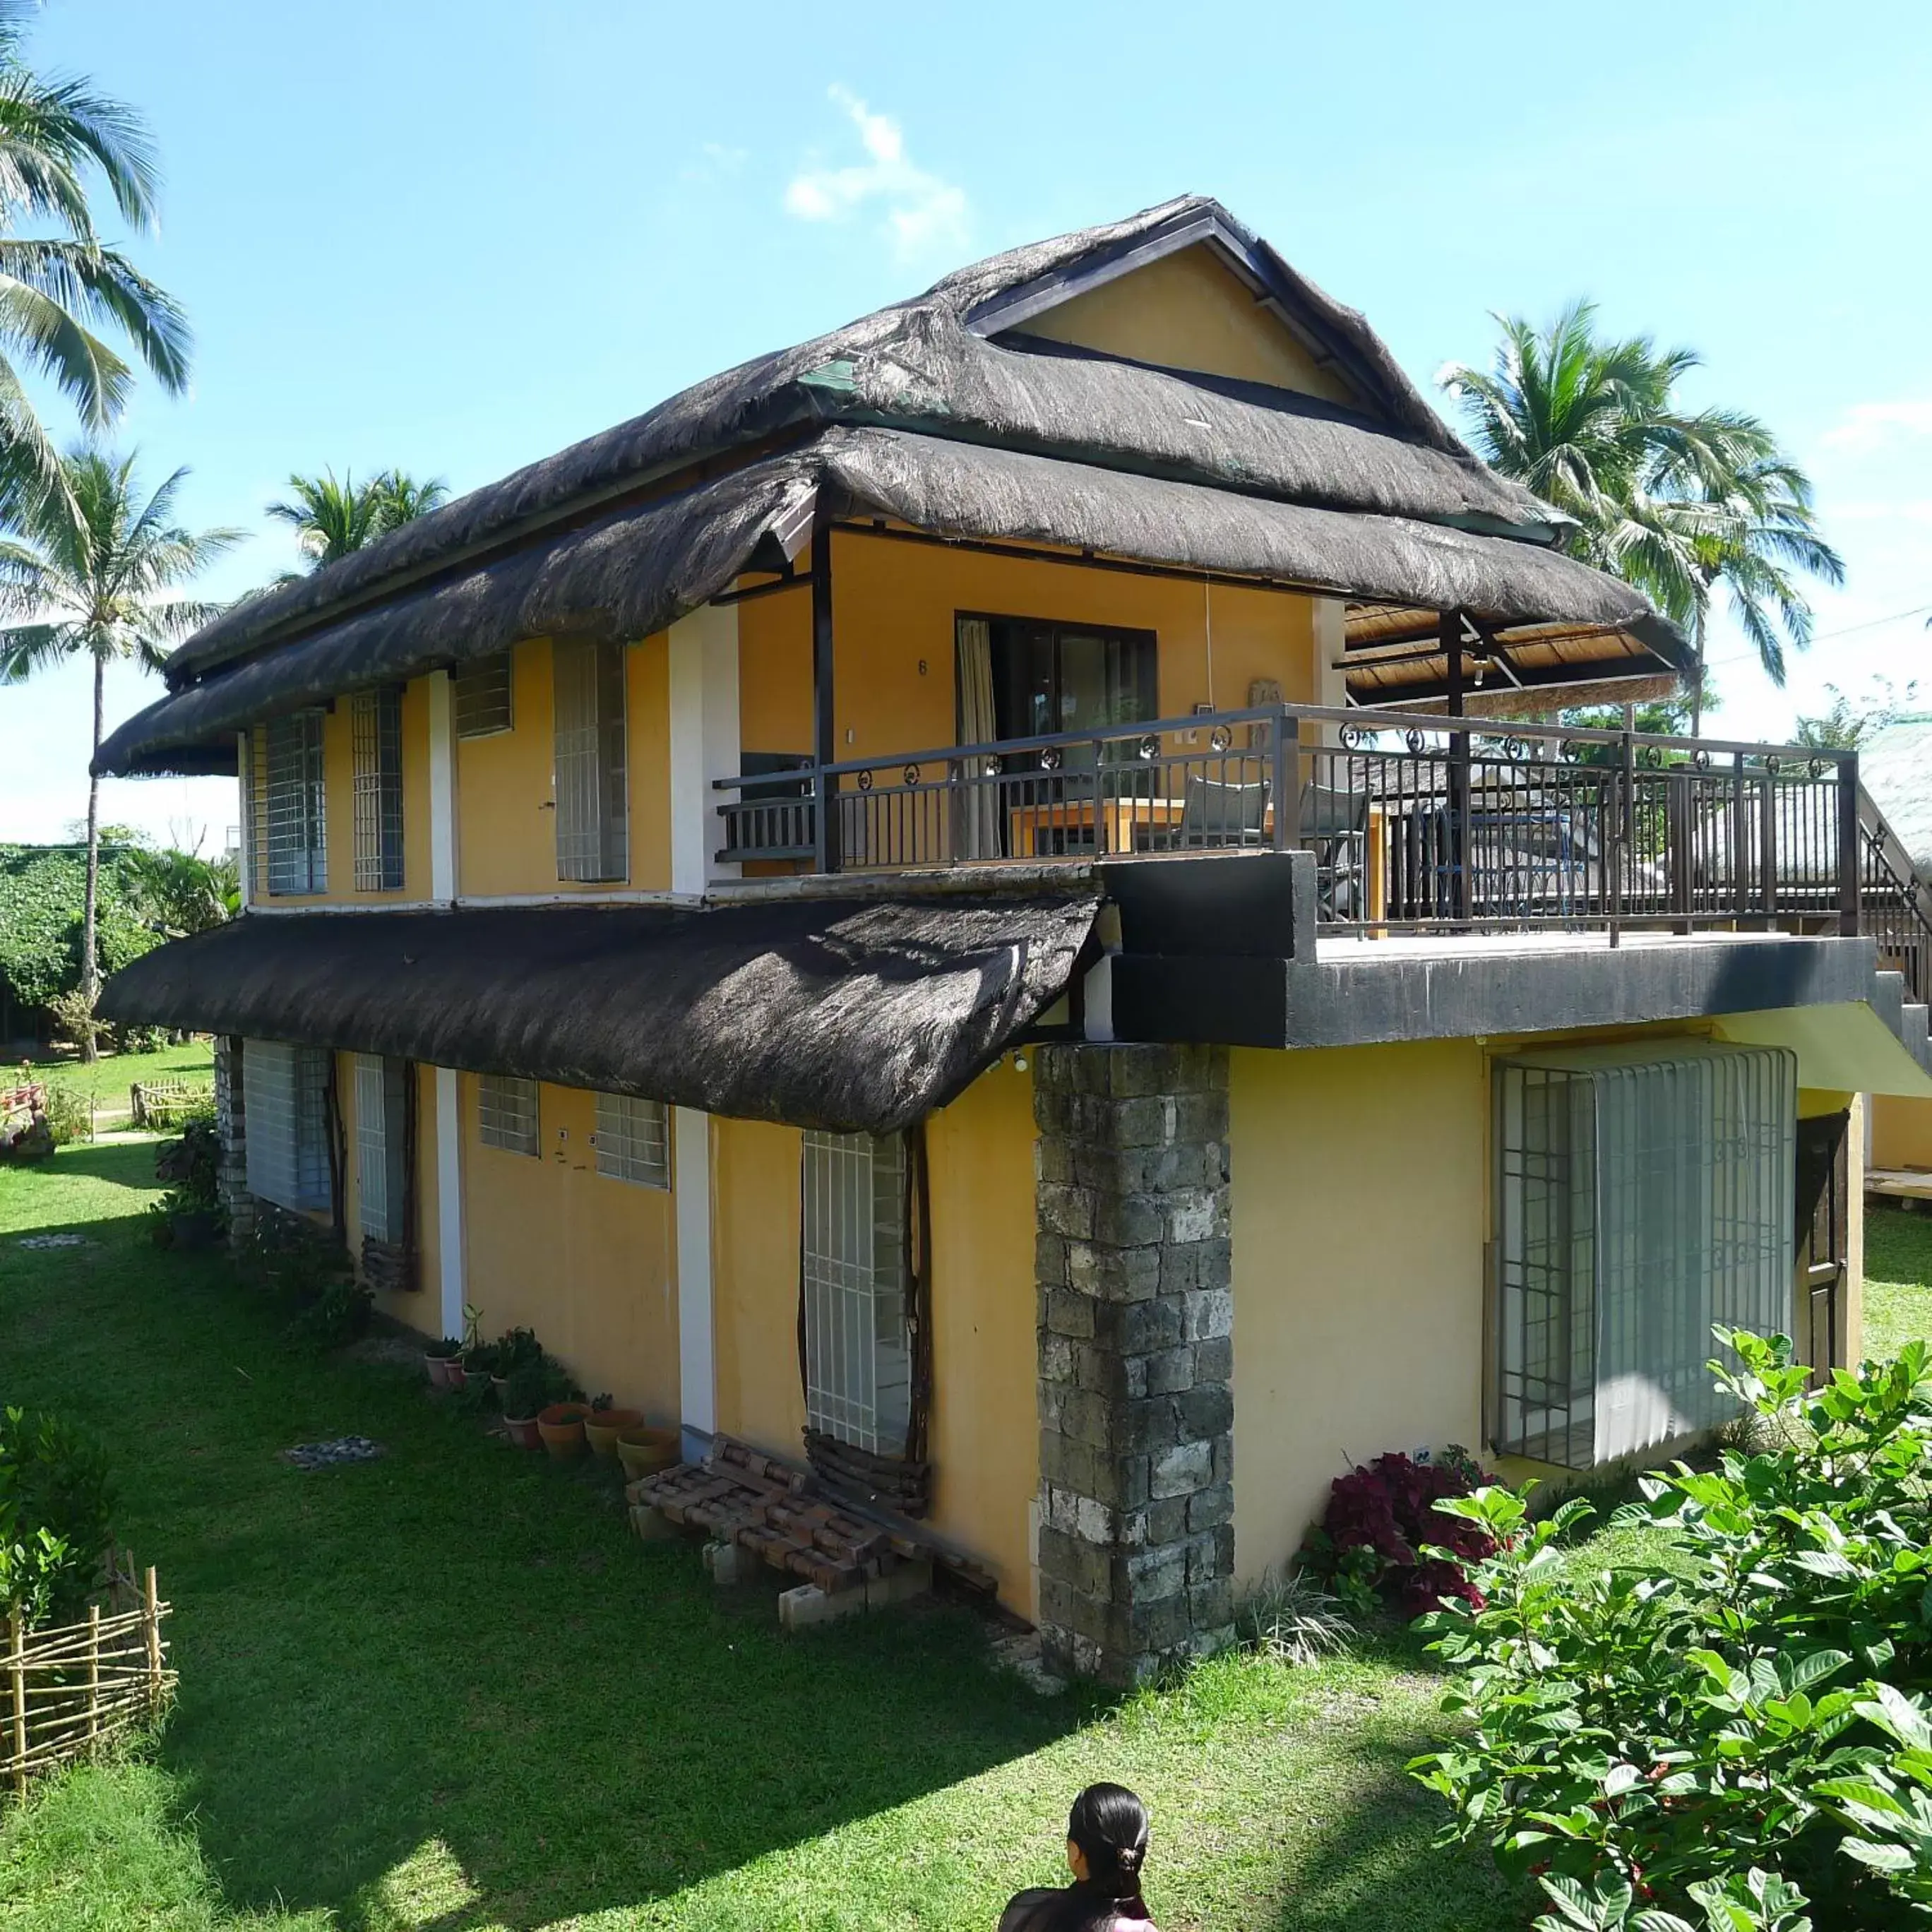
(604, 1424)
(515, 1348)
(522, 1395)
(644, 1450)
(441, 1361)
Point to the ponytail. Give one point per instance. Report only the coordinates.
(1109, 1824)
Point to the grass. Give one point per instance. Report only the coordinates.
(108, 1078)
(1898, 1278)
(448, 1690)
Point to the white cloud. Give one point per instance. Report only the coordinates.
(922, 211)
(1867, 425)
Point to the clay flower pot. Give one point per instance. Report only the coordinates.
(644, 1451)
(561, 1426)
(523, 1432)
(602, 1427)
(438, 1368)
(455, 1375)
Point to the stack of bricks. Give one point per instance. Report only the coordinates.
(231, 1128)
(1136, 1362)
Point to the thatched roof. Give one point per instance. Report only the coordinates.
(1895, 766)
(942, 364)
(636, 569)
(857, 1017)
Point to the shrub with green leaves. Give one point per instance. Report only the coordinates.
(70, 1117)
(1755, 1711)
(55, 1507)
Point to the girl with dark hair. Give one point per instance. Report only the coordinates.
(1106, 1841)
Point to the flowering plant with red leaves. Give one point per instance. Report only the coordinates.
(1380, 1518)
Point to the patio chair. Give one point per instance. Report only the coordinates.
(1335, 828)
(1214, 814)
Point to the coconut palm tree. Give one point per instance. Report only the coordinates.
(1672, 501)
(330, 518)
(90, 576)
(62, 283)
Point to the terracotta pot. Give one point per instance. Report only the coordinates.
(561, 1426)
(602, 1427)
(499, 1385)
(455, 1375)
(644, 1452)
(438, 1368)
(524, 1431)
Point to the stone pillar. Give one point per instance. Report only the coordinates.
(231, 1127)
(1136, 1357)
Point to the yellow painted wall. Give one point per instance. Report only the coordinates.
(1359, 1207)
(985, 1436)
(589, 1262)
(1188, 311)
(1901, 1132)
(506, 817)
(754, 1245)
(894, 606)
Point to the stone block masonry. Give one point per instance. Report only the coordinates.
(1136, 1358)
(231, 1128)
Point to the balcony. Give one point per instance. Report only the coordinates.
(1418, 824)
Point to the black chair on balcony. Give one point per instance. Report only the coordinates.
(1216, 813)
(1335, 828)
(772, 816)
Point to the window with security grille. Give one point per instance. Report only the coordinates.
(286, 1088)
(381, 1149)
(592, 818)
(1643, 1196)
(506, 1112)
(858, 1357)
(289, 818)
(483, 705)
(633, 1140)
(376, 737)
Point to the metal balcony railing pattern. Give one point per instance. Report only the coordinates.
(1417, 823)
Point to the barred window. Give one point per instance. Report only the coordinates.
(593, 831)
(633, 1140)
(285, 1089)
(483, 703)
(1643, 1195)
(375, 731)
(506, 1112)
(289, 815)
(380, 1149)
(858, 1356)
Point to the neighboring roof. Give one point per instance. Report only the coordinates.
(1895, 766)
(931, 364)
(636, 569)
(858, 1017)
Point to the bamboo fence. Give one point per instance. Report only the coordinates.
(64, 1692)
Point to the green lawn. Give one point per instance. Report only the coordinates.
(109, 1076)
(1898, 1278)
(448, 1690)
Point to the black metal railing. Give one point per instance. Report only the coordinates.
(1417, 822)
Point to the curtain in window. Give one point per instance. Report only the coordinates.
(593, 829)
(976, 831)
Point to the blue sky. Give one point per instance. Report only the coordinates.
(455, 237)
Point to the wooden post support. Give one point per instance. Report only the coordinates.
(824, 713)
(16, 1684)
(151, 1627)
(1850, 898)
(93, 1679)
(1449, 632)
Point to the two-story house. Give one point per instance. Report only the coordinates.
(993, 899)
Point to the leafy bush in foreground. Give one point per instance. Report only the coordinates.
(56, 1504)
(1665, 1736)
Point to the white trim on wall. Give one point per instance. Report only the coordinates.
(245, 858)
(696, 1376)
(449, 1201)
(704, 740)
(441, 788)
(1331, 642)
